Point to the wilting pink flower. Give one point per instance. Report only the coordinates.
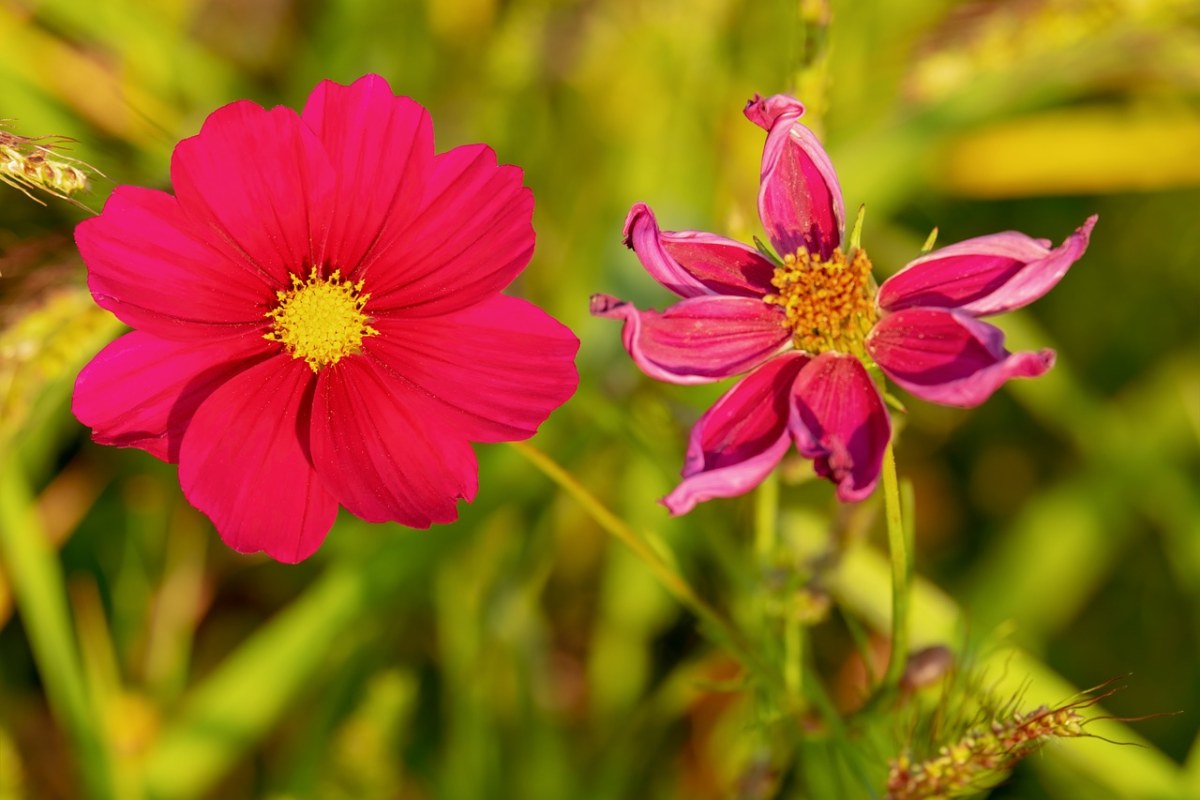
(318, 320)
(810, 327)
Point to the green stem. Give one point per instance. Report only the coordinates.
(900, 548)
(666, 574)
(766, 535)
(793, 655)
(766, 516)
(37, 582)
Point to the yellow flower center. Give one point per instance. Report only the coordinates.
(320, 320)
(828, 305)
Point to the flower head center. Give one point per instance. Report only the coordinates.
(827, 303)
(320, 320)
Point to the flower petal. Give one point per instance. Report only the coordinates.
(141, 391)
(985, 275)
(149, 264)
(260, 184)
(492, 372)
(839, 420)
(799, 197)
(382, 458)
(472, 237)
(691, 263)
(700, 339)
(738, 441)
(381, 146)
(949, 357)
(244, 464)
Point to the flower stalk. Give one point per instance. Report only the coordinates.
(900, 548)
(675, 583)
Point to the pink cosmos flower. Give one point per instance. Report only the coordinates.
(810, 328)
(318, 320)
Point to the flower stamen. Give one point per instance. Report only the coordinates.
(827, 303)
(320, 320)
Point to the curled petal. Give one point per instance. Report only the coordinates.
(738, 441)
(244, 464)
(839, 420)
(141, 391)
(381, 457)
(700, 339)
(986, 275)
(692, 263)
(949, 357)
(766, 111)
(381, 147)
(799, 198)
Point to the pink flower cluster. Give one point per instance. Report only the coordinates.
(809, 327)
(318, 320)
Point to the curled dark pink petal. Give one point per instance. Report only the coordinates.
(157, 271)
(700, 339)
(738, 441)
(493, 372)
(692, 263)
(472, 237)
(260, 185)
(141, 391)
(799, 198)
(985, 275)
(381, 147)
(949, 357)
(766, 111)
(839, 420)
(380, 457)
(244, 464)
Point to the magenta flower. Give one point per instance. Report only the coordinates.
(318, 320)
(810, 328)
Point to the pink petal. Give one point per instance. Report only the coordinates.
(738, 441)
(381, 146)
(243, 463)
(700, 339)
(472, 237)
(382, 458)
(691, 263)
(839, 420)
(492, 372)
(799, 198)
(258, 183)
(141, 391)
(157, 271)
(985, 275)
(949, 357)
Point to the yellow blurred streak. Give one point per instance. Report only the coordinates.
(1075, 152)
(66, 74)
(462, 19)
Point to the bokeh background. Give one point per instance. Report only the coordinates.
(520, 652)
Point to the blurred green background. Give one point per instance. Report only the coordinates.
(519, 653)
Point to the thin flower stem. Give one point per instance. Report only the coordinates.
(766, 516)
(729, 636)
(37, 581)
(793, 655)
(900, 549)
(766, 536)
